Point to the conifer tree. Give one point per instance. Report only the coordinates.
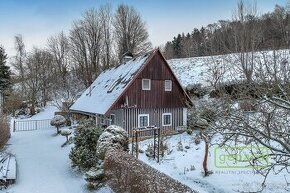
(5, 74)
(4, 71)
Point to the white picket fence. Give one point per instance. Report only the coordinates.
(30, 125)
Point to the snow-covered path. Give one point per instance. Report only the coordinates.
(43, 165)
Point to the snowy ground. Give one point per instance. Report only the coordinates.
(43, 165)
(178, 165)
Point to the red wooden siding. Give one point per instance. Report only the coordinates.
(158, 71)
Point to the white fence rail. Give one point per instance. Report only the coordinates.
(30, 125)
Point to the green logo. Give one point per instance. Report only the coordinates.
(241, 157)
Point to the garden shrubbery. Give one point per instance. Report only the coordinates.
(83, 154)
(4, 131)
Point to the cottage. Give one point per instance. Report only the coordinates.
(139, 93)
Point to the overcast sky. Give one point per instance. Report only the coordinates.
(36, 20)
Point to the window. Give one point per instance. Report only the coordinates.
(166, 119)
(102, 119)
(143, 120)
(146, 84)
(168, 85)
(112, 117)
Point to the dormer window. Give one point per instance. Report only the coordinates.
(168, 85)
(146, 84)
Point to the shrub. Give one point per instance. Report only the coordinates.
(58, 121)
(12, 103)
(126, 173)
(83, 154)
(66, 133)
(208, 114)
(112, 137)
(196, 90)
(4, 131)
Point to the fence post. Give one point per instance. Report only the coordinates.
(14, 129)
(158, 144)
(136, 146)
(35, 124)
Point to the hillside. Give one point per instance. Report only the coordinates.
(224, 68)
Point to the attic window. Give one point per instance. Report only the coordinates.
(146, 84)
(90, 90)
(112, 86)
(168, 85)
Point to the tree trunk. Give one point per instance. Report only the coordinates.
(204, 164)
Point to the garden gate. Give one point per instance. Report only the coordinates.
(29, 125)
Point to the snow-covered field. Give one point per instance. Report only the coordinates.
(205, 70)
(179, 164)
(43, 165)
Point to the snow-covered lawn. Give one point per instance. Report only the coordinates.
(43, 165)
(178, 165)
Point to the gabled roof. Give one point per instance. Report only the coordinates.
(109, 85)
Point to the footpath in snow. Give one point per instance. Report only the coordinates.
(43, 165)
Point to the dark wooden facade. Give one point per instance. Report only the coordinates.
(157, 70)
(128, 118)
(153, 102)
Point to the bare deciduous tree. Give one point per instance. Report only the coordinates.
(86, 41)
(58, 46)
(19, 63)
(130, 31)
(266, 124)
(106, 18)
(38, 76)
(247, 37)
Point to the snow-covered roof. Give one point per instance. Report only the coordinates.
(109, 85)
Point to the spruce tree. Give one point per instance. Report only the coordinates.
(4, 77)
(5, 73)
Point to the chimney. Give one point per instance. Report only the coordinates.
(126, 57)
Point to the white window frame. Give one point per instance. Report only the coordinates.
(168, 89)
(112, 115)
(184, 113)
(164, 114)
(144, 79)
(143, 115)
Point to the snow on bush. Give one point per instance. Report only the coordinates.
(58, 121)
(83, 154)
(66, 133)
(112, 137)
(95, 177)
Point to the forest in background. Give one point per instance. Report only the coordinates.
(247, 31)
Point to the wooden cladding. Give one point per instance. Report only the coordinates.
(158, 71)
(129, 118)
